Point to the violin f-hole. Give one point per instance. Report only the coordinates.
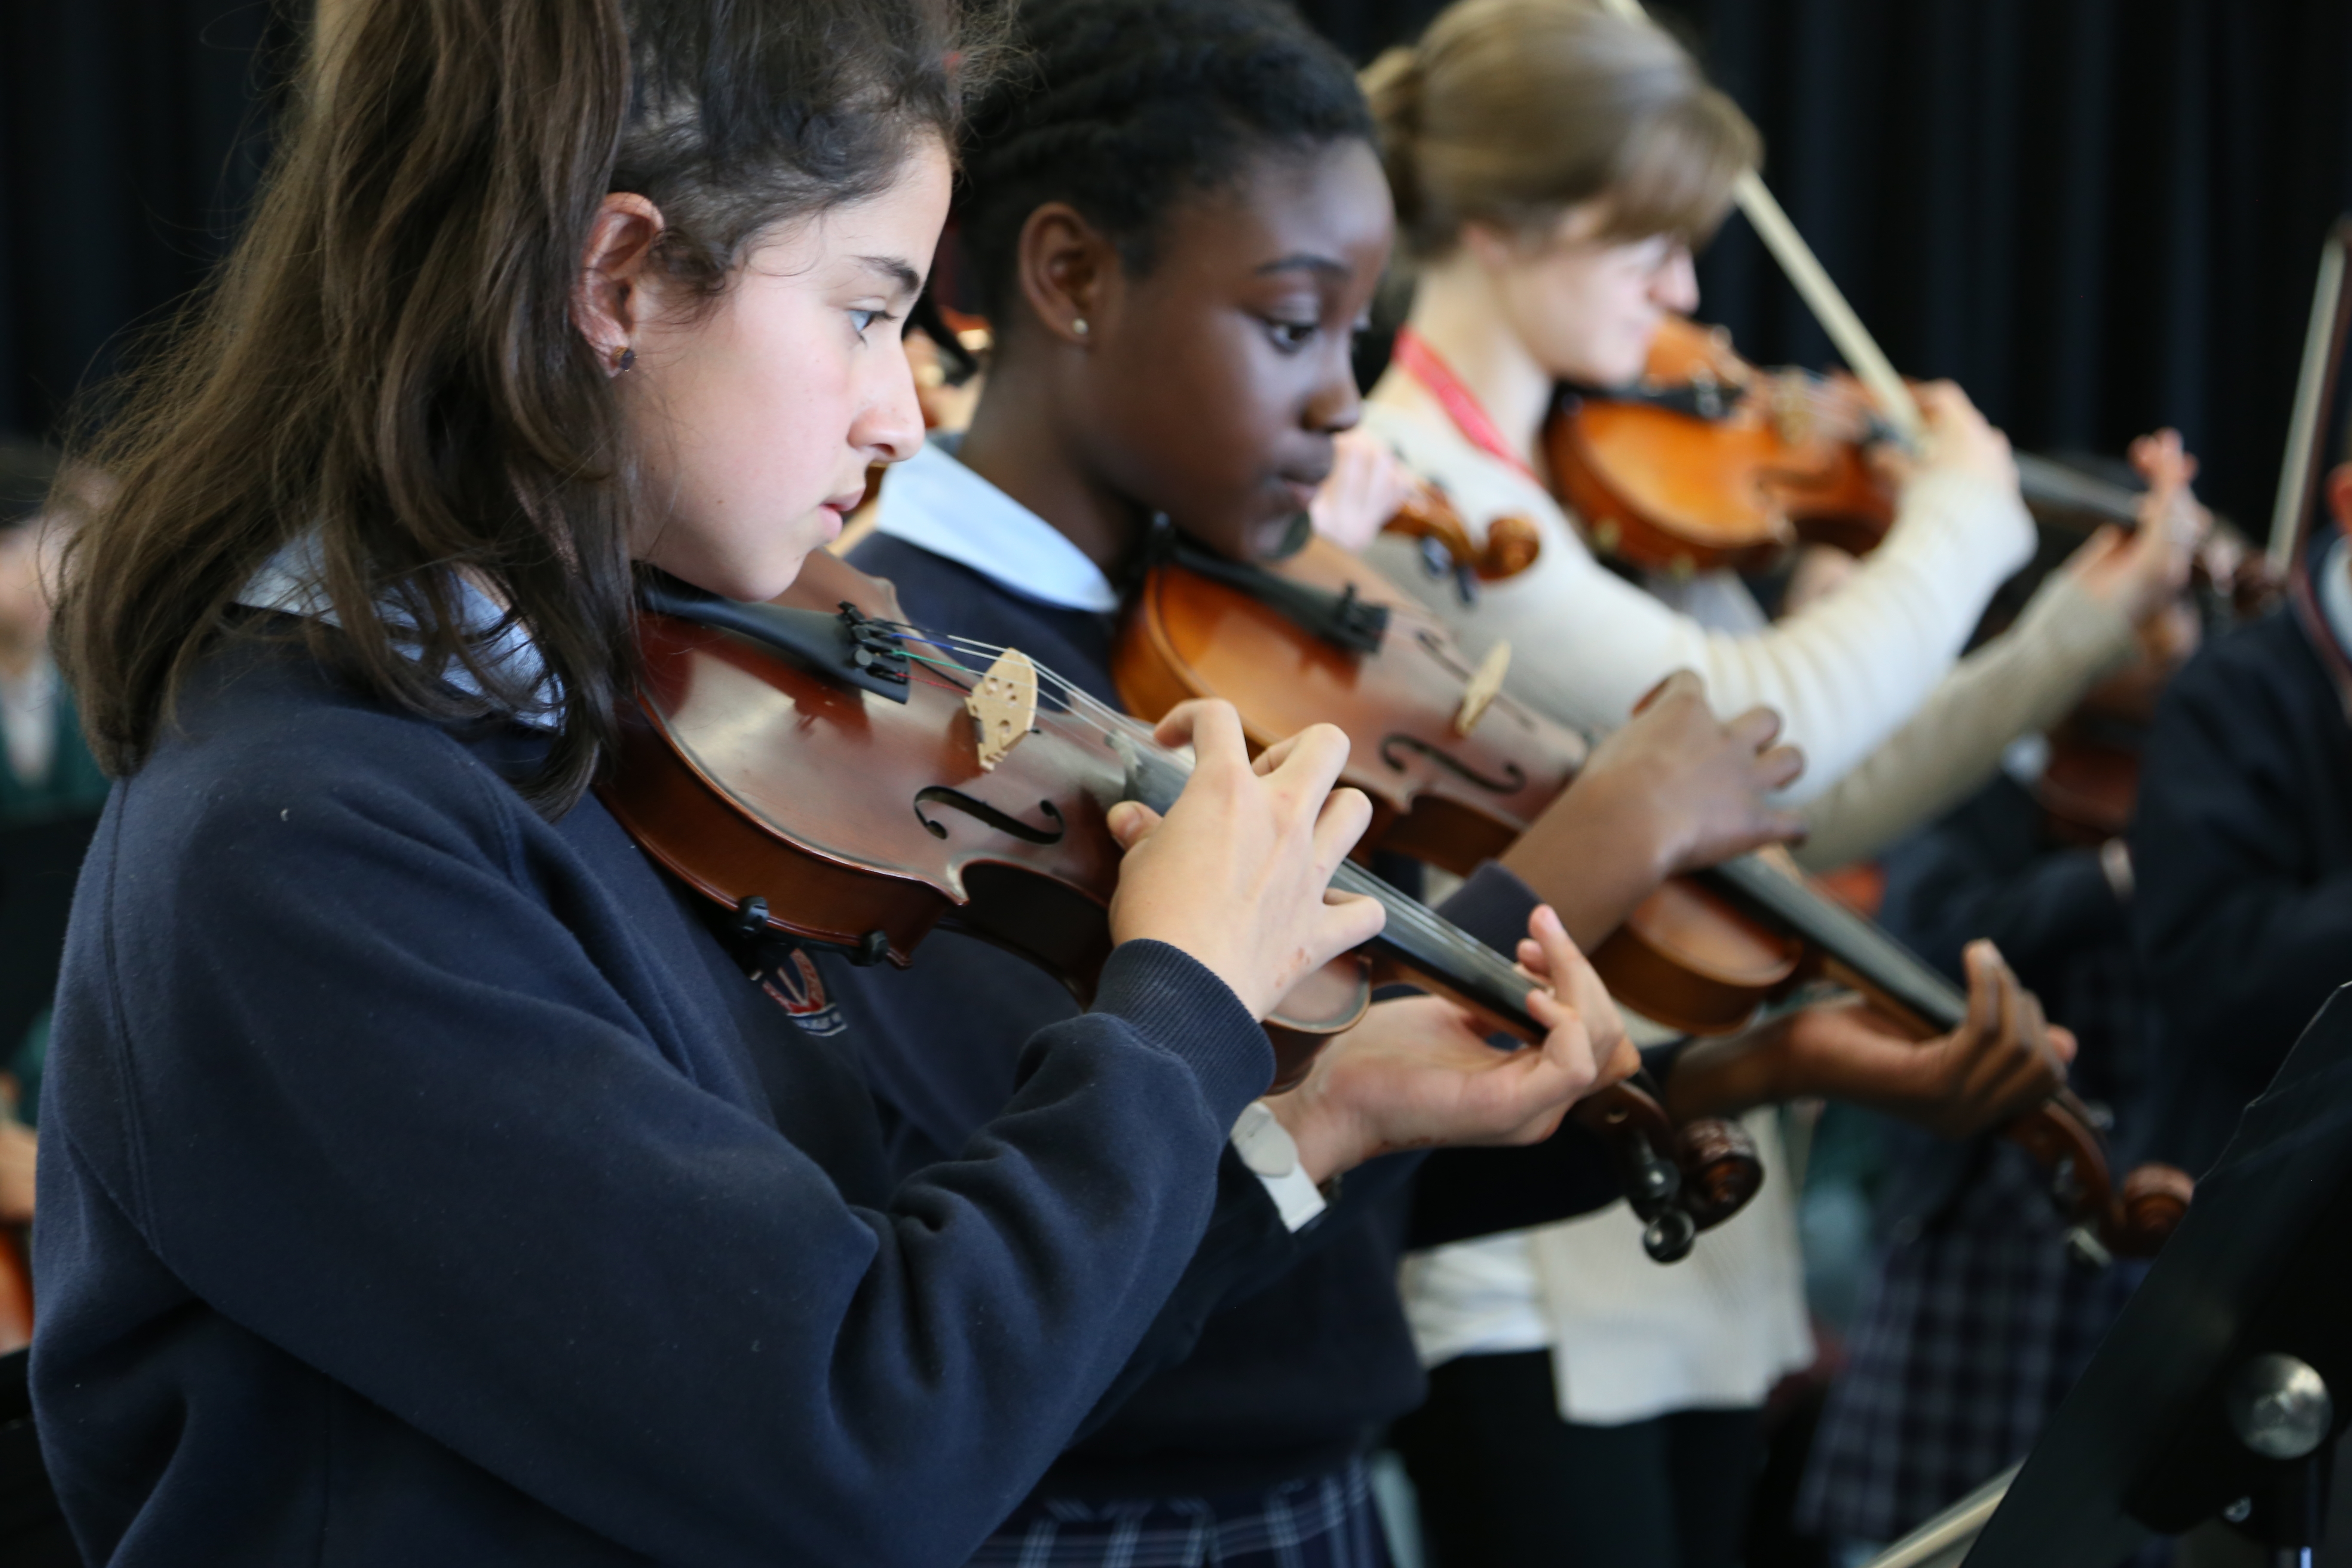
(940, 795)
(1514, 779)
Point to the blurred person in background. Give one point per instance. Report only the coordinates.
(50, 792)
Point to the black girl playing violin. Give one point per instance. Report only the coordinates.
(1173, 341)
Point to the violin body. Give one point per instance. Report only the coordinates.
(862, 823)
(1438, 794)
(1709, 462)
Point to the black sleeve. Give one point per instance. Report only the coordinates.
(377, 1101)
(2242, 913)
(1983, 870)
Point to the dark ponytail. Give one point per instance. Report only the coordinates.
(387, 361)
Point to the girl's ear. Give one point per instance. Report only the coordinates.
(1494, 248)
(610, 301)
(1066, 266)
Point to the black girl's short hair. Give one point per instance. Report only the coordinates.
(387, 363)
(1122, 108)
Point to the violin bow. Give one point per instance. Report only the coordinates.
(2315, 391)
(1820, 293)
(2307, 459)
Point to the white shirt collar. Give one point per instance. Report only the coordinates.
(292, 581)
(935, 503)
(2336, 590)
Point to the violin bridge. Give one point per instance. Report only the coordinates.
(1486, 685)
(1004, 706)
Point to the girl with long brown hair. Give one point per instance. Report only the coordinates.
(425, 1181)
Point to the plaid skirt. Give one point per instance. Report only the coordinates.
(1327, 1522)
(1967, 1340)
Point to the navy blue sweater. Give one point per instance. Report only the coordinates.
(421, 1182)
(1990, 868)
(2241, 849)
(1310, 1356)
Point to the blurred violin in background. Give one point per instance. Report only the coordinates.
(1709, 461)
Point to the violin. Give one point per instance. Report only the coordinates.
(1708, 461)
(814, 765)
(1819, 939)
(1456, 770)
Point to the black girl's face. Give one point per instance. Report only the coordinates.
(1217, 380)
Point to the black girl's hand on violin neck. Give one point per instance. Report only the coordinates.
(2004, 1059)
(1237, 873)
(1420, 1072)
(1673, 789)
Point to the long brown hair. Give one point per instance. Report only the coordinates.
(1510, 111)
(387, 363)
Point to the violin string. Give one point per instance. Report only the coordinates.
(1408, 916)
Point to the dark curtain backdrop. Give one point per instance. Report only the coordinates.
(2099, 215)
(132, 136)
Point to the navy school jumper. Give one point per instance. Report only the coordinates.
(2241, 853)
(421, 1182)
(1309, 1358)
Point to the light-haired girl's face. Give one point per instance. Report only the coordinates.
(1586, 307)
(754, 421)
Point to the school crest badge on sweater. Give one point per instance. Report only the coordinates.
(791, 979)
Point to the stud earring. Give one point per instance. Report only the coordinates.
(1078, 325)
(624, 361)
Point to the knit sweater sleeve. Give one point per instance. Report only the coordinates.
(1843, 674)
(2023, 680)
(398, 1093)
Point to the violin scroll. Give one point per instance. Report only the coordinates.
(2154, 1201)
(1511, 545)
(1721, 1169)
(2132, 1221)
(1678, 1180)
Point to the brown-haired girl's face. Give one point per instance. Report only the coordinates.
(1586, 307)
(754, 419)
(1215, 381)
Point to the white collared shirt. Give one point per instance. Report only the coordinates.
(2336, 590)
(292, 581)
(935, 503)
